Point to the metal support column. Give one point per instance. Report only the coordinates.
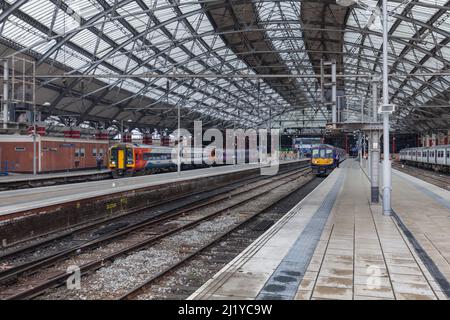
(387, 179)
(360, 148)
(333, 92)
(34, 141)
(5, 94)
(375, 149)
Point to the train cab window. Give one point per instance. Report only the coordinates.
(315, 153)
(322, 153)
(129, 156)
(113, 155)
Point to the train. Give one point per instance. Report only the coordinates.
(323, 158)
(129, 159)
(436, 158)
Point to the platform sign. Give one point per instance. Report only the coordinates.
(386, 108)
(67, 145)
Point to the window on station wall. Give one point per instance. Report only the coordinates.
(82, 152)
(94, 152)
(77, 152)
(101, 152)
(20, 149)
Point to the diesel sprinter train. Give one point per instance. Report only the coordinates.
(130, 159)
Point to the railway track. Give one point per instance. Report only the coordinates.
(438, 179)
(34, 277)
(176, 281)
(96, 228)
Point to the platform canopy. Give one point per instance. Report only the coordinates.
(247, 63)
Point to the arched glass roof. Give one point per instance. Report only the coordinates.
(239, 40)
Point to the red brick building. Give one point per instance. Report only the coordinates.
(54, 154)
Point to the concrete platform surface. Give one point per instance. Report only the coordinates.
(18, 177)
(335, 245)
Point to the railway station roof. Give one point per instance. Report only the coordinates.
(116, 55)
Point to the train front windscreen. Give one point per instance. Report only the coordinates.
(322, 153)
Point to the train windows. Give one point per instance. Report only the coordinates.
(448, 154)
(315, 153)
(94, 152)
(319, 153)
(329, 153)
(157, 156)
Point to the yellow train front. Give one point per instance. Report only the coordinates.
(324, 159)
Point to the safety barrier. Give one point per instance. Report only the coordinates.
(4, 168)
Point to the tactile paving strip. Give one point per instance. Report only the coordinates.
(283, 283)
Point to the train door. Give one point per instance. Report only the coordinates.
(440, 156)
(121, 159)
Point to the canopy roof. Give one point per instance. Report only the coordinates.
(241, 41)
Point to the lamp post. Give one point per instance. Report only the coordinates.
(386, 108)
(179, 138)
(387, 185)
(34, 140)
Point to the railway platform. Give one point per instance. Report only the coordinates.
(18, 181)
(336, 245)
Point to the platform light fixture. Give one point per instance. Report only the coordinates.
(346, 3)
